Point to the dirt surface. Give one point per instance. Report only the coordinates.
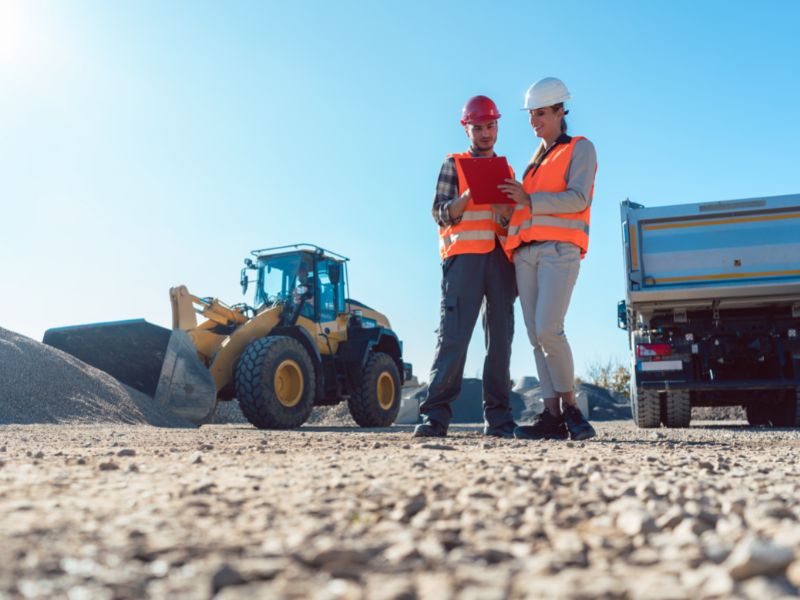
(229, 511)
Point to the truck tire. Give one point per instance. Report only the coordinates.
(376, 400)
(678, 409)
(645, 407)
(275, 383)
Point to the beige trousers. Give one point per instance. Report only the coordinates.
(546, 275)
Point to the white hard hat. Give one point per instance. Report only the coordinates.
(546, 92)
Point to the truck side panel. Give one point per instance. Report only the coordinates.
(715, 250)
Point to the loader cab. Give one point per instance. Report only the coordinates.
(284, 277)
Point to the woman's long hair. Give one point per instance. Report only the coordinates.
(539, 154)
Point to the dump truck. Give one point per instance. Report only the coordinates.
(303, 342)
(712, 309)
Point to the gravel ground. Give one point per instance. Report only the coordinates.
(323, 512)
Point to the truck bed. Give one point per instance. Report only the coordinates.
(738, 252)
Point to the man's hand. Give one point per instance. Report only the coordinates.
(513, 189)
(456, 208)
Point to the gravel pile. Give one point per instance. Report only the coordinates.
(40, 384)
(719, 413)
(225, 512)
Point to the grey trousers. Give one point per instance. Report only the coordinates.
(473, 284)
(546, 275)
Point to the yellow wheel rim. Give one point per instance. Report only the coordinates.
(385, 391)
(288, 383)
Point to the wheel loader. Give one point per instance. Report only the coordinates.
(302, 343)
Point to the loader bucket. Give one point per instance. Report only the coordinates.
(185, 384)
(130, 351)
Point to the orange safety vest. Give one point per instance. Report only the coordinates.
(478, 228)
(566, 227)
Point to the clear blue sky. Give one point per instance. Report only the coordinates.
(146, 144)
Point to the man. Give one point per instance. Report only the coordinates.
(476, 277)
(305, 279)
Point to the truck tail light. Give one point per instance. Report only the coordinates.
(650, 350)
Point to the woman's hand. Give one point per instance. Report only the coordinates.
(513, 189)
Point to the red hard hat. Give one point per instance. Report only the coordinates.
(479, 109)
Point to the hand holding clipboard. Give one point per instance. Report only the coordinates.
(484, 176)
(491, 181)
(515, 192)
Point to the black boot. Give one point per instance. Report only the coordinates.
(506, 430)
(546, 427)
(430, 428)
(579, 427)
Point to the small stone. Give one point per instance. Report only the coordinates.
(692, 527)
(203, 488)
(39, 454)
(126, 452)
(768, 587)
(753, 556)
(671, 518)
(380, 587)
(412, 506)
(108, 466)
(226, 576)
(348, 563)
(196, 458)
(634, 521)
(430, 446)
(793, 573)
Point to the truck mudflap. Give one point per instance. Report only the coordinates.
(185, 384)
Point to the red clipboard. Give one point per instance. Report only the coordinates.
(483, 175)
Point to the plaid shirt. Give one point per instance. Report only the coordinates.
(447, 193)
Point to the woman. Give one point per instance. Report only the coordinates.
(548, 235)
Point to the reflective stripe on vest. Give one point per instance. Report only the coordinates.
(566, 227)
(478, 228)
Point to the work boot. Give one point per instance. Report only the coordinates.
(506, 430)
(546, 427)
(430, 429)
(579, 428)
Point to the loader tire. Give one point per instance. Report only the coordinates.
(376, 400)
(275, 383)
(646, 407)
(677, 409)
